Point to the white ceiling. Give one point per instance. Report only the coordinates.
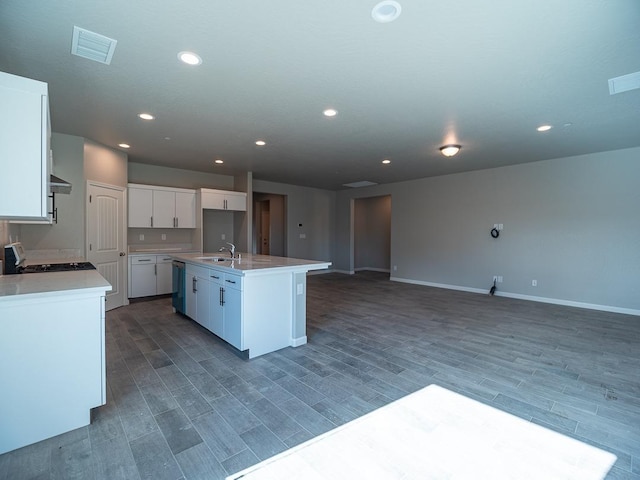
(481, 74)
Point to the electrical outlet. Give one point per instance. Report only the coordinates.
(500, 226)
(223, 237)
(163, 236)
(499, 278)
(303, 235)
(395, 268)
(495, 279)
(300, 288)
(534, 283)
(141, 237)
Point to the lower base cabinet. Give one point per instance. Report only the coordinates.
(149, 275)
(214, 300)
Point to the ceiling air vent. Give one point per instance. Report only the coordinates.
(363, 183)
(624, 83)
(92, 46)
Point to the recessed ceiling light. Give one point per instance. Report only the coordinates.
(190, 58)
(219, 162)
(260, 143)
(387, 11)
(124, 145)
(386, 161)
(330, 112)
(146, 116)
(544, 128)
(450, 150)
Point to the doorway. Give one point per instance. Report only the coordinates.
(372, 234)
(269, 224)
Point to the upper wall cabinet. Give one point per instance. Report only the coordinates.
(223, 200)
(161, 207)
(25, 134)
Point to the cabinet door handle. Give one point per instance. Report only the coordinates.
(213, 276)
(221, 296)
(152, 221)
(155, 270)
(194, 283)
(230, 281)
(176, 220)
(144, 260)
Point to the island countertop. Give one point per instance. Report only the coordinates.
(250, 263)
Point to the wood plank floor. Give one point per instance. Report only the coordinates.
(182, 404)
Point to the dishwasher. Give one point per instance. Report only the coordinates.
(178, 277)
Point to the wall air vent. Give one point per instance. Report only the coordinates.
(92, 46)
(624, 83)
(363, 183)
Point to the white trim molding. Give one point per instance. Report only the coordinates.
(532, 298)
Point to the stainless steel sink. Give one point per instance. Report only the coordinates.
(213, 259)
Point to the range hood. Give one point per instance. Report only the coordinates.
(57, 185)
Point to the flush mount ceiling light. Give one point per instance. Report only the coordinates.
(146, 116)
(330, 112)
(450, 150)
(190, 58)
(386, 161)
(219, 162)
(261, 143)
(124, 145)
(544, 128)
(387, 11)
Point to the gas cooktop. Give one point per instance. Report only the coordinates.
(58, 267)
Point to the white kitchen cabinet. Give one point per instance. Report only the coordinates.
(198, 295)
(232, 320)
(149, 275)
(140, 207)
(164, 284)
(216, 323)
(52, 352)
(25, 134)
(223, 200)
(161, 207)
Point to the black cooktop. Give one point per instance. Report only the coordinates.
(58, 267)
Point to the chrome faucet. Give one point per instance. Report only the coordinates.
(232, 250)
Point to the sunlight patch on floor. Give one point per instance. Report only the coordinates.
(436, 433)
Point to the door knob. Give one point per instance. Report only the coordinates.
(122, 254)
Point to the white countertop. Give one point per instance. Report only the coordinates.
(250, 263)
(32, 284)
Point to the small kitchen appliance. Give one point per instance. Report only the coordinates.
(14, 258)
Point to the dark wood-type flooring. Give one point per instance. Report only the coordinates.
(182, 404)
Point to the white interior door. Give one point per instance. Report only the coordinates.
(106, 238)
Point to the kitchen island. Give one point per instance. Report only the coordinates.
(256, 303)
(52, 354)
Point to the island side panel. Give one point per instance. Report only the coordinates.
(268, 312)
(51, 366)
(299, 327)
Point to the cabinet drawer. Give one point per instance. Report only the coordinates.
(197, 271)
(233, 281)
(146, 260)
(163, 259)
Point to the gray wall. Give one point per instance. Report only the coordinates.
(218, 223)
(314, 209)
(76, 160)
(572, 224)
(69, 232)
(372, 233)
(176, 177)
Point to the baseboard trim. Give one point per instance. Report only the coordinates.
(296, 342)
(345, 272)
(371, 269)
(532, 298)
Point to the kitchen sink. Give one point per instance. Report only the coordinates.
(213, 259)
